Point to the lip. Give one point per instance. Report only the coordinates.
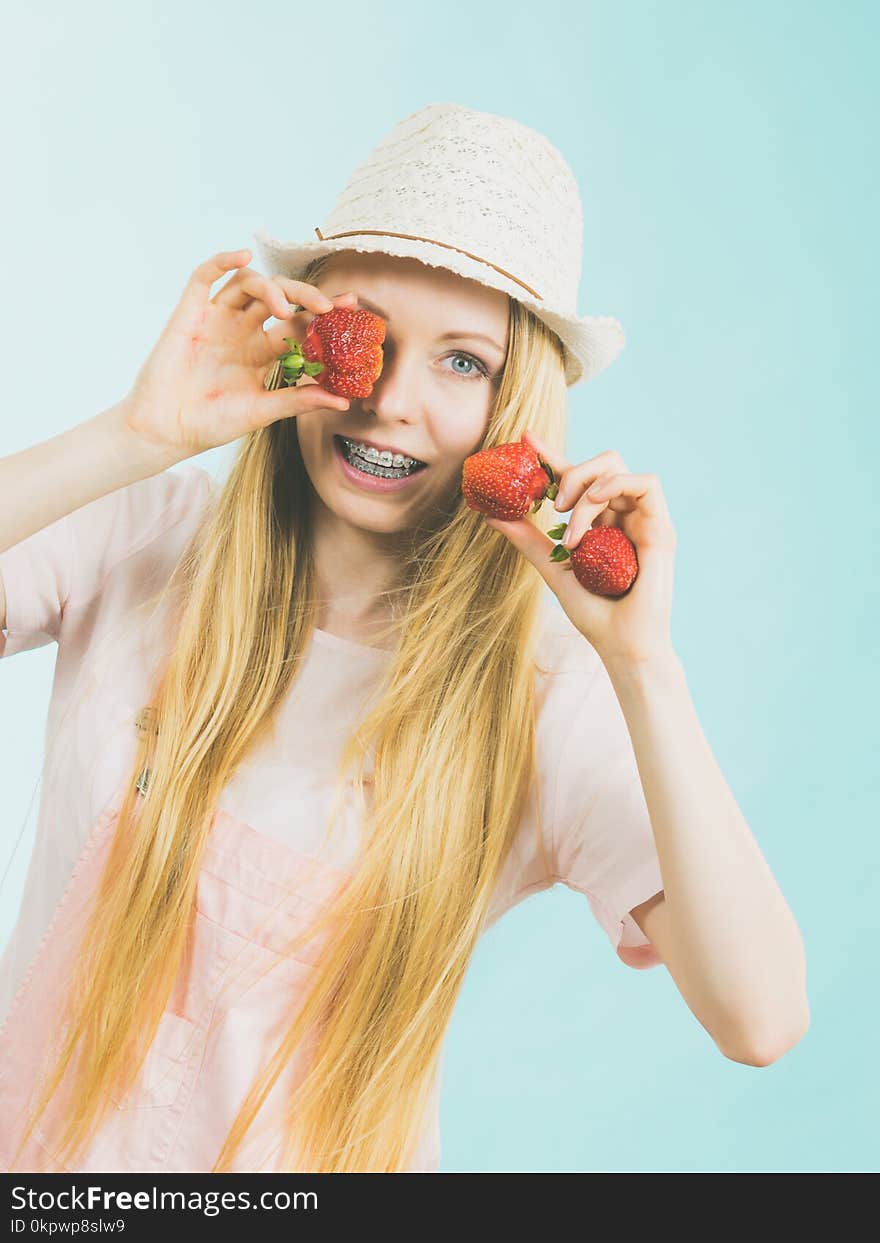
(372, 444)
(371, 483)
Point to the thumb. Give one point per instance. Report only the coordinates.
(534, 545)
(537, 547)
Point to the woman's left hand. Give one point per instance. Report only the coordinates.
(632, 628)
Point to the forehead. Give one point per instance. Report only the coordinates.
(390, 277)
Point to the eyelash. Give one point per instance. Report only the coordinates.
(482, 370)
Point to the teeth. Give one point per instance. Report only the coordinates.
(398, 461)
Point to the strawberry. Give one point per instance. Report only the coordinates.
(504, 481)
(343, 347)
(604, 560)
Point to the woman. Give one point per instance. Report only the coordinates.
(244, 972)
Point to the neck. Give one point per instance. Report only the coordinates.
(353, 568)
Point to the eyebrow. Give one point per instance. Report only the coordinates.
(447, 336)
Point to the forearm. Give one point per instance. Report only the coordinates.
(43, 483)
(739, 955)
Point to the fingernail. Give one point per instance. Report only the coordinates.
(595, 490)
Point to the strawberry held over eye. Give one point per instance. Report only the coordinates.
(506, 481)
(604, 560)
(342, 351)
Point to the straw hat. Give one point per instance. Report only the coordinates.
(481, 195)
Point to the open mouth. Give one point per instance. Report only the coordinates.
(383, 465)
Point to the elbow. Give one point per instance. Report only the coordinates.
(766, 1051)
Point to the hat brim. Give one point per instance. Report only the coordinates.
(592, 342)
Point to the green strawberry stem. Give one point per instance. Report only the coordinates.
(294, 365)
(551, 489)
(560, 552)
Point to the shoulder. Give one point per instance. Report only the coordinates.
(114, 546)
(152, 521)
(161, 499)
(114, 526)
(127, 555)
(156, 513)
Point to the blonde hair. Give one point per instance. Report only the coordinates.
(458, 698)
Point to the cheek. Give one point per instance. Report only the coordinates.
(308, 431)
(461, 429)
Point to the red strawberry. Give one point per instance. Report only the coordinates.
(604, 561)
(343, 347)
(504, 481)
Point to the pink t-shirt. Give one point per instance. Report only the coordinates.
(81, 582)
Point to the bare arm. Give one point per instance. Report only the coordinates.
(723, 927)
(44, 483)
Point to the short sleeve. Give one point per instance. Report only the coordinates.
(64, 565)
(602, 839)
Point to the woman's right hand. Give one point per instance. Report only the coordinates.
(202, 384)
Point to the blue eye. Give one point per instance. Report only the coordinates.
(477, 368)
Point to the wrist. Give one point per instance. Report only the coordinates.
(662, 663)
(146, 456)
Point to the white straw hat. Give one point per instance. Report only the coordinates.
(481, 195)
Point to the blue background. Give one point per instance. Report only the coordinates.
(731, 205)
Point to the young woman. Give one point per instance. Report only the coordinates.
(313, 730)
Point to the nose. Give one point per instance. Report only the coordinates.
(396, 393)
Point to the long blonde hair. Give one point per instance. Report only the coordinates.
(458, 698)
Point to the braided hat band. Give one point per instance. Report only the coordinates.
(432, 241)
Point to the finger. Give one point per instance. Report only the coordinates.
(276, 335)
(286, 403)
(198, 288)
(296, 325)
(537, 547)
(248, 286)
(645, 490)
(267, 304)
(302, 294)
(554, 458)
(306, 294)
(573, 479)
(291, 290)
(613, 494)
(584, 514)
(256, 315)
(583, 476)
(617, 506)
